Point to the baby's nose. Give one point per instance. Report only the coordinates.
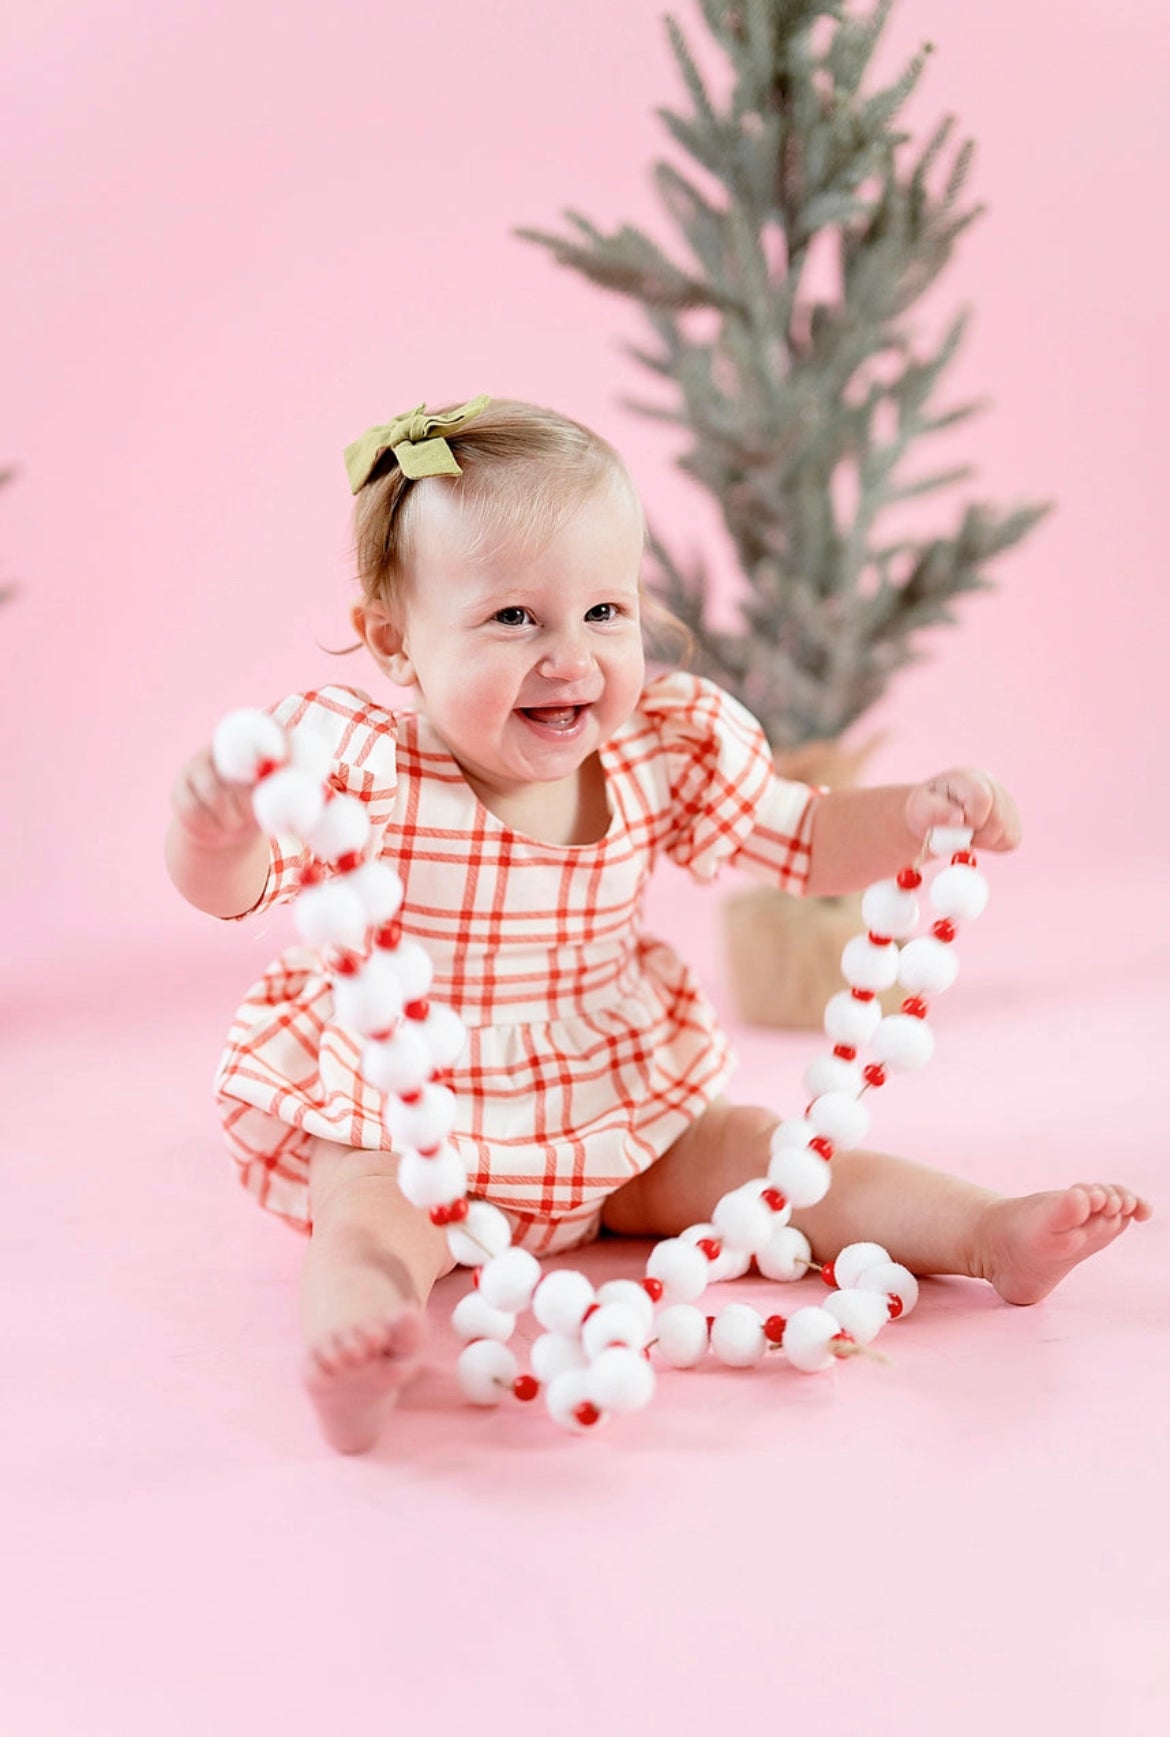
(567, 658)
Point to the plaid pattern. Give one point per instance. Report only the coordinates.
(591, 1047)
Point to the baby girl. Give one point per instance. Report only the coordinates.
(524, 800)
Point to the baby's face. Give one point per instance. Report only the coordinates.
(525, 663)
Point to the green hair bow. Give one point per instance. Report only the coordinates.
(416, 441)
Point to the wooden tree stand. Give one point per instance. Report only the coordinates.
(784, 953)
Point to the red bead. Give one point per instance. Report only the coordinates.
(417, 1009)
(880, 940)
(965, 856)
(823, 1147)
(874, 1074)
(842, 1338)
(774, 1329)
(587, 1414)
(895, 1306)
(915, 1007)
(350, 861)
(475, 1277)
(908, 879)
(312, 874)
(711, 1247)
(653, 1289)
(414, 1097)
(846, 1051)
(526, 1387)
(427, 1151)
(829, 1275)
(440, 1215)
(389, 935)
(343, 964)
(943, 930)
(266, 768)
(862, 994)
(458, 1211)
(591, 1310)
(773, 1198)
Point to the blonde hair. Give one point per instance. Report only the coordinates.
(526, 472)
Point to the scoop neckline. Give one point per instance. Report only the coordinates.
(484, 813)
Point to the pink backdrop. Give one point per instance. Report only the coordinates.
(237, 233)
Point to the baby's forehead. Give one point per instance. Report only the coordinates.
(484, 528)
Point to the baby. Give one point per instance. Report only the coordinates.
(523, 801)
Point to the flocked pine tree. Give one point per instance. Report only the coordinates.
(801, 407)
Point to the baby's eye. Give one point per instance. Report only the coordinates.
(603, 612)
(512, 616)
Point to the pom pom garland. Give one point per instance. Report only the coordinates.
(593, 1357)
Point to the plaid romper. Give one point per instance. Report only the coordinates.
(591, 1047)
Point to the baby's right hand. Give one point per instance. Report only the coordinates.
(214, 813)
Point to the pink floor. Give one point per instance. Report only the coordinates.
(971, 1539)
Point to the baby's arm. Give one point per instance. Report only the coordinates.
(216, 853)
(859, 836)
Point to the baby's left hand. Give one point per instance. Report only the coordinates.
(965, 797)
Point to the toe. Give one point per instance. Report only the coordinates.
(1142, 1211)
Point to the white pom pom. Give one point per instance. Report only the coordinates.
(889, 910)
(311, 754)
(553, 1353)
(444, 1032)
(842, 1120)
(850, 1021)
(368, 1000)
(436, 1181)
(561, 1301)
(330, 915)
(890, 1279)
(613, 1324)
(380, 889)
(473, 1318)
(730, 1263)
(566, 1395)
(415, 969)
(401, 1063)
(803, 1177)
(829, 1073)
(342, 830)
(508, 1280)
(960, 892)
(682, 1335)
(483, 1233)
(743, 1220)
(621, 1380)
(423, 1124)
(946, 840)
(787, 1255)
(683, 1272)
(792, 1131)
(853, 1260)
(631, 1294)
(289, 801)
(243, 742)
(927, 966)
(868, 967)
(737, 1338)
(486, 1371)
(806, 1339)
(901, 1041)
(862, 1314)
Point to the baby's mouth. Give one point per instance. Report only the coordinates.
(553, 717)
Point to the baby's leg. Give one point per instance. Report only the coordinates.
(369, 1269)
(931, 1222)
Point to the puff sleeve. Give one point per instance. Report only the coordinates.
(345, 727)
(727, 807)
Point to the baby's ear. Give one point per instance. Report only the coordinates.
(375, 624)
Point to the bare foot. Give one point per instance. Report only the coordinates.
(354, 1375)
(1029, 1244)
